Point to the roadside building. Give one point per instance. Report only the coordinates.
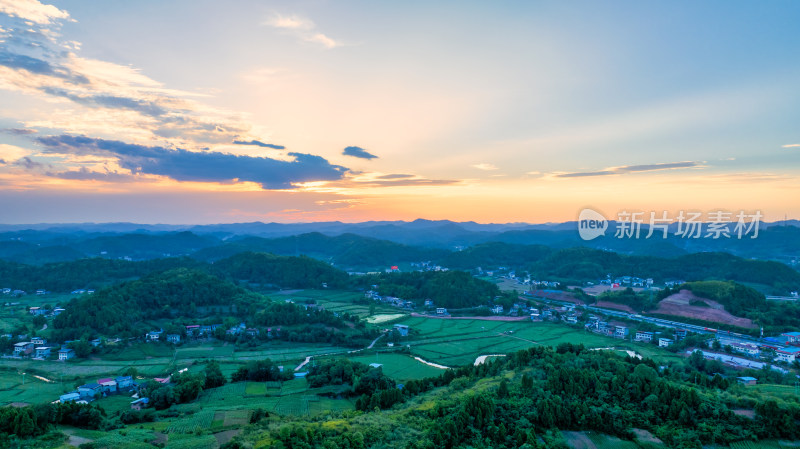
(65, 354)
(792, 337)
(788, 355)
(644, 336)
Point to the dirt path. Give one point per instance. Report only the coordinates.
(75, 440)
(374, 341)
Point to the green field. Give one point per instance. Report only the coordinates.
(399, 366)
(460, 342)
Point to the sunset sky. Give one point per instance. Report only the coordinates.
(217, 112)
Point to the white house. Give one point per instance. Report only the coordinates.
(23, 348)
(42, 352)
(788, 355)
(65, 354)
(441, 311)
(793, 337)
(664, 342)
(154, 335)
(644, 336)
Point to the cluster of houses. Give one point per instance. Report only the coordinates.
(13, 292)
(391, 300)
(629, 281)
(197, 331)
(43, 311)
(38, 349)
(619, 330)
(105, 387)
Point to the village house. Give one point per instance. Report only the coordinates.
(38, 341)
(792, 337)
(664, 342)
(788, 355)
(35, 311)
(193, 330)
(57, 311)
(174, 338)
(140, 403)
(747, 348)
(620, 331)
(402, 329)
(251, 331)
(441, 311)
(680, 334)
(154, 335)
(535, 315)
(124, 382)
(90, 390)
(42, 352)
(69, 397)
(96, 342)
(644, 336)
(65, 354)
(747, 380)
(109, 385)
(498, 309)
(23, 348)
(571, 319)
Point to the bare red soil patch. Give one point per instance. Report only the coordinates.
(679, 304)
(613, 305)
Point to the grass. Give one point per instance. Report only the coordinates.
(399, 366)
(115, 403)
(255, 389)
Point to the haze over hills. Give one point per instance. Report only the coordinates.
(39, 243)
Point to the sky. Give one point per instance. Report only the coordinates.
(296, 111)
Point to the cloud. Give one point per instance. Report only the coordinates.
(34, 60)
(84, 174)
(484, 166)
(18, 131)
(395, 176)
(302, 28)
(631, 169)
(259, 144)
(792, 145)
(184, 165)
(27, 163)
(39, 67)
(32, 10)
(289, 22)
(358, 152)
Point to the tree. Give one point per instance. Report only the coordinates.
(214, 376)
(502, 390)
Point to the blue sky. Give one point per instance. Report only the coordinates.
(485, 111)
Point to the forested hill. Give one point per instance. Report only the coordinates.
(265, 269)
(577, 264)
(117, 310)
(454, 289)
(280, 271)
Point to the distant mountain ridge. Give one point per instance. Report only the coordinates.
(350, 243)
